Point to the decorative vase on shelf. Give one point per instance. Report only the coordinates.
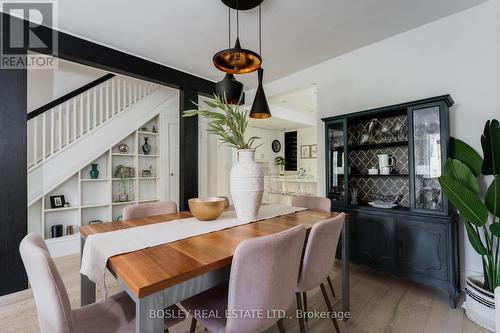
(123, 197)
(94, 173)
(246, 185)
(146, 147)
(123, 148)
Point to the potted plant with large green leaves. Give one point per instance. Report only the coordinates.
(480, 214)
(229, 122)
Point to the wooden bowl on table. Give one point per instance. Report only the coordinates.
(207, 209)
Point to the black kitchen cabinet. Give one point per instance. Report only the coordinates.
(416, 239)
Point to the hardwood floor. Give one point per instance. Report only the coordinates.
(379, 303)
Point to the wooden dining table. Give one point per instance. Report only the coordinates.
(159, 276)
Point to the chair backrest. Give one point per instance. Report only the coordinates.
(51, 298)
(316, 203)
(264, 275)
(137, 211)
(319, 253)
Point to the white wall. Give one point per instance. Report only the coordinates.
(214, 163)
(459, 54)
(214, 160)
(46, 85)
(265, 155)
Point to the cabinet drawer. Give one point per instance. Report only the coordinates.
(423, 247)
(375, 239)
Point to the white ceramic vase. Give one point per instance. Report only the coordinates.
(246, 185)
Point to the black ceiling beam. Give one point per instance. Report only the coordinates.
(88, 53)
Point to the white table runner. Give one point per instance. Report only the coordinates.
(100, 247)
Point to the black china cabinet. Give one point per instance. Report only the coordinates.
(382, 168)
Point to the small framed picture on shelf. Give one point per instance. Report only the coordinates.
(147, 173)
(314, 151)
(57, 201)
(305, 151)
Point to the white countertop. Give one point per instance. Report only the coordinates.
(295, 180)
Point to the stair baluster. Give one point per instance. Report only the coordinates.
(57, 128)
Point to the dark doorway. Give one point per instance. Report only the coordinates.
(291, 151)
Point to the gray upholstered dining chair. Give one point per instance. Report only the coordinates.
(316, 203)
(136, 211)
(312, 202)
(264, 275)
(317, 261)
(116, 314)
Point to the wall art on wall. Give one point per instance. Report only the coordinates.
(314, 151)
(305, 151)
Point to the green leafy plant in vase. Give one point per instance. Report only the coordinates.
(479, 212)
(229, 123)
(280, 160)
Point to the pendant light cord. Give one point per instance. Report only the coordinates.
(229, 15)
(260, 31)
(237, 19)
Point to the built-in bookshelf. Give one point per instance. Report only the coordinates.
(102, 199)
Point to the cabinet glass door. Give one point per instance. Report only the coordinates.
(336, 161)
(427, 159)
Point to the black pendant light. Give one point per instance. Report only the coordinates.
(237, 60)
(229, 88)
(260, 108)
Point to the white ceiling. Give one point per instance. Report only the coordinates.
(304, 100)
(297, 34)
(275, 123)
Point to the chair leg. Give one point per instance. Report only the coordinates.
(304, 296)
(193, 326)
(329, 305)
(281, 327)
(299, 308)
(331, 286)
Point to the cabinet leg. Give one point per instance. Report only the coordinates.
(452, 299)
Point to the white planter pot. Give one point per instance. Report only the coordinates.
(479, 303)
(246, 185)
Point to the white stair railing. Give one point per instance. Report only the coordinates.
(58, 128)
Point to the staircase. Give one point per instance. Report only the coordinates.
(57, 129)
(73, 133)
